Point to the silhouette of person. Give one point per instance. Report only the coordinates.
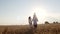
(30, 21)
(35, 20)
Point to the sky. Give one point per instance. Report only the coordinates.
(16, 12)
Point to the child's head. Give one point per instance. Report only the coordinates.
(29, 17)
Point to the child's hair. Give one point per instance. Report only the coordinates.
(29, 17)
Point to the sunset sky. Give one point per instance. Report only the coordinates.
(16, 12)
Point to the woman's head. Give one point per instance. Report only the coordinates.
(34, 16)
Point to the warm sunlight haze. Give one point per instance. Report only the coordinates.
(40, 12)
(16, 12)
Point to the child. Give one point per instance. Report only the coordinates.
(30, 21)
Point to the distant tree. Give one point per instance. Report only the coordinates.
(54, 22)
(46, 22)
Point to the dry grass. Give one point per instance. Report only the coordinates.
(41, 29)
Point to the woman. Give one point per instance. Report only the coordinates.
(35, 21)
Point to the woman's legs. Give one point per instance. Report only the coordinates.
(35, 26)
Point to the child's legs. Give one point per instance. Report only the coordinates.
(30, 25)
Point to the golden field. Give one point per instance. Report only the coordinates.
(25, 29)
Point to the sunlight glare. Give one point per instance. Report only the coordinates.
(40, 13)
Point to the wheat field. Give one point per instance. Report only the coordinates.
(25, 29)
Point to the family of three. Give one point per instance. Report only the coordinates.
(33, 21)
